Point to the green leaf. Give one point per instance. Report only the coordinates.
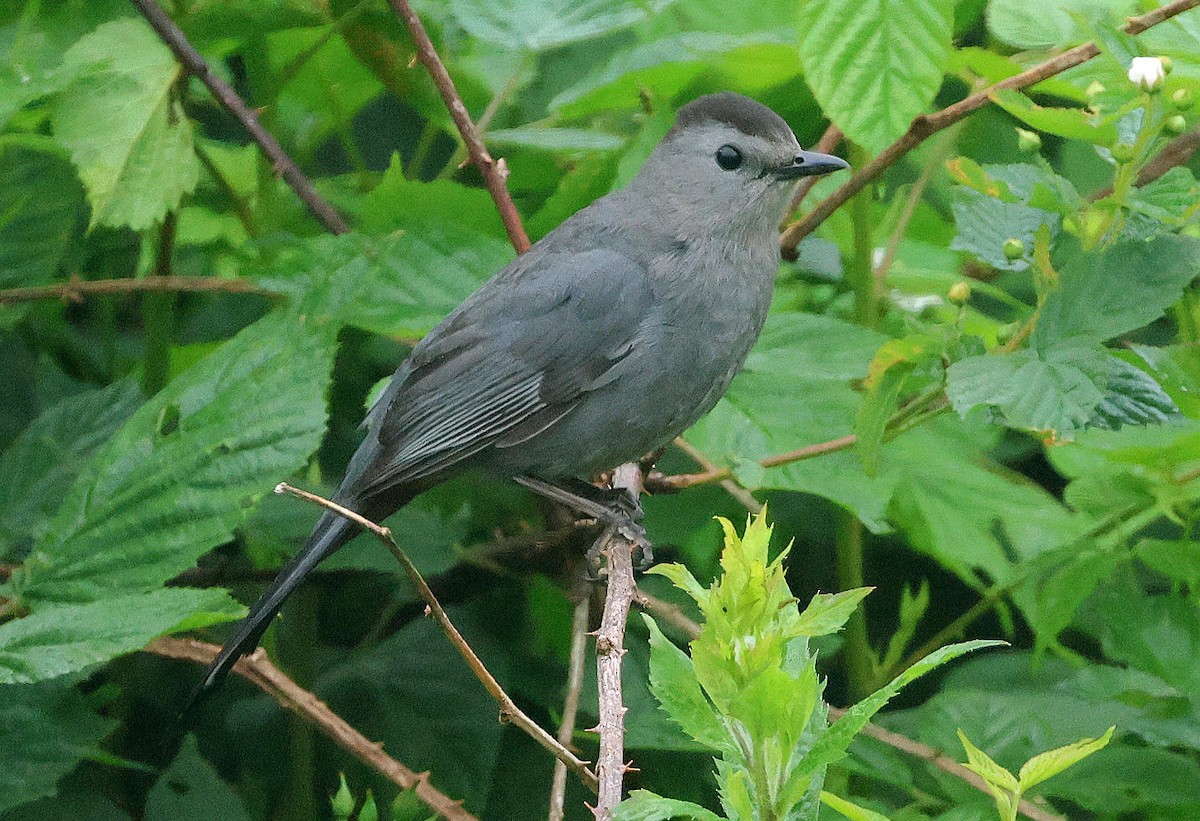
(1051, 763)
(828, 612)
(60, 639)
(555, 139)
(985, 223)
(398, 203)
(45, 730)
(1132, 397)
(874, 65)
(987, 769)
(881, 401)
(1168, 199)
(190, 788)
(673, 682)
(643, 805)
(538, 25)
(831, 746)
(849, 809)
(1054, 24)
(1117, 290)
(400, 284)
(1055, 391)
(177, 478)
(129, 137)
(1072, 123)
(40, 465)
(42, 203)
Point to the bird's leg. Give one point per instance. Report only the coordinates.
(614, 507)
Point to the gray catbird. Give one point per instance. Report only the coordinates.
(603, 342)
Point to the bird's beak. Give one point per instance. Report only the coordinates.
(810, 164)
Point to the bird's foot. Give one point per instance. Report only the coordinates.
(613, 507)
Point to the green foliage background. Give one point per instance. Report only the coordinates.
(1054, 503)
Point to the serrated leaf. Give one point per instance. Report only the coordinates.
(1117, 290)
(400, 284)
(1072, 123)
(849, 809)
(673, 682)
(1132, 397)
(187, 467)
(831, 746)
(131, 141)
(61, 639)
(828, 612)
(40, 465)
(985, 223)
(1051, 763)
(1054, 24)
(46, 729)
(874, 65)
(1168, 199)
(987, 769)
(41, 204)
(537, 25)
(191, 788)
(643, 805)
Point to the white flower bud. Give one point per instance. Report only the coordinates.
(1147, 73)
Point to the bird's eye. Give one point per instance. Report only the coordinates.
(729, 157)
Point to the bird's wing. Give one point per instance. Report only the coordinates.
(509, 363)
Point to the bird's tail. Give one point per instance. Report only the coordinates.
(331, 532)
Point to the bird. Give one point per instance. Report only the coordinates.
(603, 342)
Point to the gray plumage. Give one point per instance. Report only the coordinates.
(603, 342)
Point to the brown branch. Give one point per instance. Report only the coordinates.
(671, 613)
(926, 125)
(494, 171)
(509, 711)
(566, 728)
(716, 474)
(283, 165)
(729, 485)
(75, 289)
(259, 670)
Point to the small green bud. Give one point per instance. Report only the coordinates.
(342, 802)
(1028, 141)
(1013, 249)
(1182, 98)
(1122, 152)
(1175, 124)
(959, 293)
(369, 811)
(1168, 64)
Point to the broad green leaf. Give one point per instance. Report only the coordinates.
(190, 788)
(1149, 633)
(46, 729)
(1132, 397)
(60, 639)
(1053, 25)
(673, 682)
(555, 139)
(985, 223)
(987, 769)
(1051, 763)
(775, 707)
(40, 465)
(1072, 123)
(187, 467)
(129, 137)
(874, 65)
(1168, 199)
(1054, 391)
(831, 746)
(533, 25)
(881, 401)
(42, 206)
(1177, 370)
(400, 284)
(643, 805)
(828, 612)
(849, 809)
(397, 203)
(1117, 290)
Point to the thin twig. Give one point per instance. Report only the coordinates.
(259, 670)
(566, 728)
(682, 480)
(75, 289)
(494, 171)
(280, 161)
(731, 487)
(926, 125)
(671, 613)
(509, 711)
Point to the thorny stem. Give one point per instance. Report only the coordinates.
(566, 728)
(76, 289)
